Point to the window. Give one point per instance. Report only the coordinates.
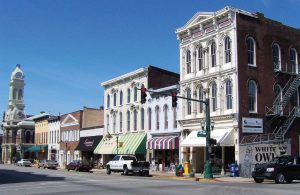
(157, 117)
(135, 120)
(214, 97)
(27, 137)
(277, 91)
(135, 94)
(213, 54)
(252, 95)
(227, 50)
(188, 62)
(228, 95)
(121, 122)
(166, 116)
(15, 91)
(149, 118)
(293, 60)
(114, 122)
(200, 58)
(201, 97)
(174, 118)
(121, 98)
(251, 51)
(107, 122)
(276, 56)
(108, 101)
(128, 121)
(20, 95)
(115, 99)
(142, 119)
(128, 95)
(188, 102)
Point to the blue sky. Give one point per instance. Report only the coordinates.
(66, 48)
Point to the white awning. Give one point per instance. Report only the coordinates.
(224, 137)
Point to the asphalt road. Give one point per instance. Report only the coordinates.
(30, 180)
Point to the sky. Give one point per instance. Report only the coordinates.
(66, 48)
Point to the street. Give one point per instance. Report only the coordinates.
(30, 180)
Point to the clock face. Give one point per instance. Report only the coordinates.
(18, 75)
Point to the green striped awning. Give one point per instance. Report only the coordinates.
(133, 143)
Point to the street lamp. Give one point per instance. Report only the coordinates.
(209, 126)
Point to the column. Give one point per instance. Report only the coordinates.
(223, 161)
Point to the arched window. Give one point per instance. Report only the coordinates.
(157, 117)
(188, 62)
(128, 121)
(227, 50)
(142, 119)
(135, 120)
(276, 56)
(200, 58)
(121, 122)
(166, 116)
(252, 95)
(214, 97)
(213, 54)
(174, 118)
(201, 97)
(293, 60)
(114, 122)
(189, 102)
(251, 51)
(278, 97)
(149, 119)
(15, 91)
(115, 99)
(107, 122)
(27, 137)
(228, 95)
(128, 95)
(135, 94)
(121, 98)
(108, 101)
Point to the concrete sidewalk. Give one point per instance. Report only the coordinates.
(198, 177)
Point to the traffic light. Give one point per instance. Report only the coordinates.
(174, 99)
(143, 95)
(212, 142)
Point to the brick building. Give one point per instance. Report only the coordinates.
(247, 65)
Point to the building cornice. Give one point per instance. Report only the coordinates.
(215, 118)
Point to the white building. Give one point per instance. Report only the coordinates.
(163, 128)
(125, 125)
(54, 138)
(208, 69)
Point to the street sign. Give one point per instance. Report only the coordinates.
(201, 134)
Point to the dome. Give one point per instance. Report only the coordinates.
(17, 73)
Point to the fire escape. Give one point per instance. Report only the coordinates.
(277, 109)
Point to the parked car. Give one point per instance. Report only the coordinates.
(127, 164)
(78, 165)
(24, 162)
(283, 169)
(49, 164)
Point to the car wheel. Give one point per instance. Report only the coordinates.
(108, 171)
(258, 180)
(125, 170)
(68, 169)
(280, 178)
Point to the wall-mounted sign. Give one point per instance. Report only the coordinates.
(252, 125)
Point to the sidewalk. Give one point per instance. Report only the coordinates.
(198, 177)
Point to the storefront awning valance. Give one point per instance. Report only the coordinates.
(224, 137)
(106, 146)
(88, 143)
(163, 143)
(132, 143)
(37, 148)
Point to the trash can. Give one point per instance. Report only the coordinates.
(234, 170)
(176, 170)
(187, 167)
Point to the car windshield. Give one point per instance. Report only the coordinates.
(25, 160)
(129, 158)
(280, 160)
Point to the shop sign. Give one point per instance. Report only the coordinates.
(252, 125)
(88, 143)
(201, 134)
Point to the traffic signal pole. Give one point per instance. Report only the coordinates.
(207, 167)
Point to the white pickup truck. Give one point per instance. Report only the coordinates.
(127, 164)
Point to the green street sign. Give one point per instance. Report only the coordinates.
(201, 134)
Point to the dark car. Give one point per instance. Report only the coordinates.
(50, 164)
(283, 169)
(79, 165)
